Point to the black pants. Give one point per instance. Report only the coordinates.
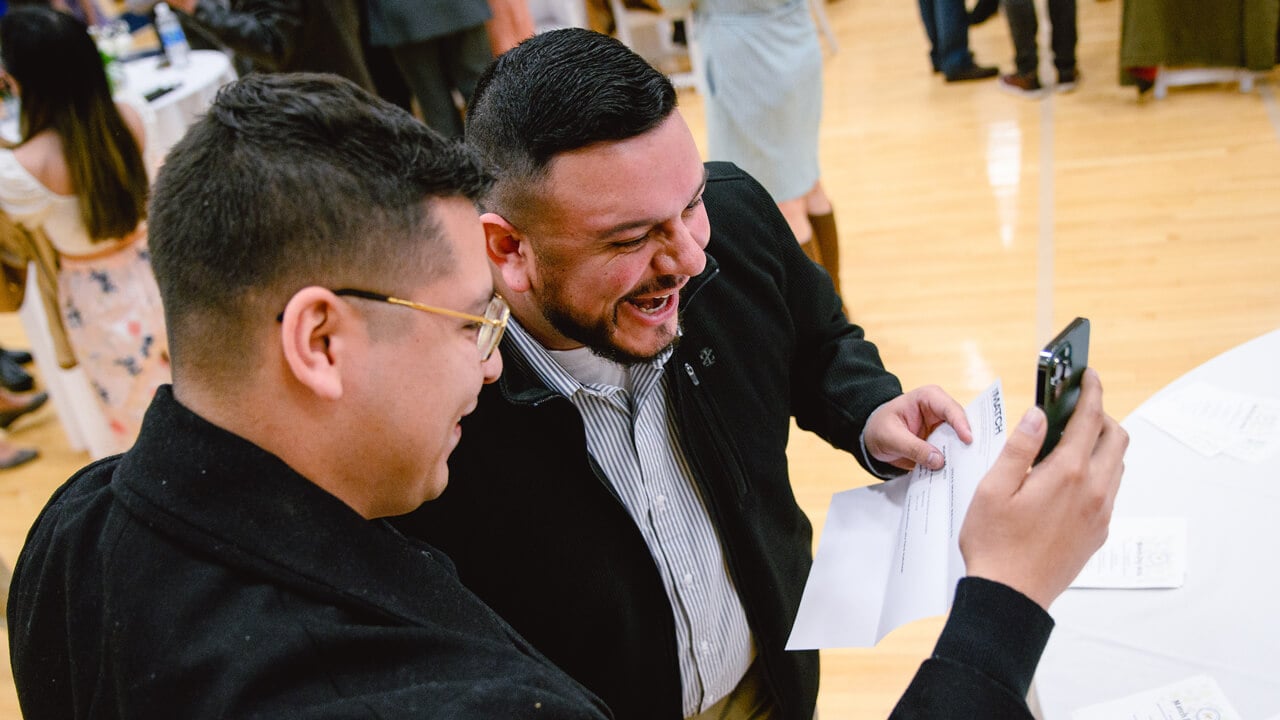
(1023, 27)
(435, 68)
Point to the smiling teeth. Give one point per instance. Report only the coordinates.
(651, 305)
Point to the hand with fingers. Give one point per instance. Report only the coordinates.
(896, 431)
(1034, 528)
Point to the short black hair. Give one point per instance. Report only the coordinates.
(555, 92)
(293, 180)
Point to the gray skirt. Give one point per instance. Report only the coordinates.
(763, 67)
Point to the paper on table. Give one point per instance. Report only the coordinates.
(890, 553)
(1139, 553)
(1211, 420)
(1196, 698)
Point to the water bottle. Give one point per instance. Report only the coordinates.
(172, 38)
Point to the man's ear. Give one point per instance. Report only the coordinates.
(314, 331)
(508, 250)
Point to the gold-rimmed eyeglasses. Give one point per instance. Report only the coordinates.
(492, 324)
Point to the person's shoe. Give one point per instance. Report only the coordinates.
(1027, 86)
(13, 377)
(827, 238)
(1068, 81)
(22, 357)
(972, 71)
(7, 417)
(18, 456)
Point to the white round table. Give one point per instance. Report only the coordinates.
(168, 116)
(1224, 621)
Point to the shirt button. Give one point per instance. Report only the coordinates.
(660, 502)
(688, 579)
(706, 646)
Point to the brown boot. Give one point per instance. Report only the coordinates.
(810, 249)
(828, 242)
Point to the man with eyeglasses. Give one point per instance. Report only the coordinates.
(332, 318)
(622, 495)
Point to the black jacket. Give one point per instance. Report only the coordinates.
(537, 532)
(197, 576)
(287, 35)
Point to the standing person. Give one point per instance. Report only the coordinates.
(764, 81)
(623, 500)
(441, 47)
(232, 563)
(78, 174)
(285, 35)
(946, 22)
(1023, 27)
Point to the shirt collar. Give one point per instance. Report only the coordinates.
(560, 380)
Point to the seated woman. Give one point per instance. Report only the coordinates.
(78, 175)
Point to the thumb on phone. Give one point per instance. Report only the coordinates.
(1020, 450)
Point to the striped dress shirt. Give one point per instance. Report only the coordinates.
(632, 435)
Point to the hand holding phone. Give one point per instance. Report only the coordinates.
(1061, 365)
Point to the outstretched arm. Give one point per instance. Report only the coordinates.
(1028, 533)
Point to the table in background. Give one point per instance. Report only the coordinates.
(1193, 42)
(168, 116)
(1225, 620)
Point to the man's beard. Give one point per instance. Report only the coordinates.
(597, 336)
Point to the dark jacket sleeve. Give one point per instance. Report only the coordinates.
(985, 658)
(264, 31)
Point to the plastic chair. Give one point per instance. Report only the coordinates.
(649, 34)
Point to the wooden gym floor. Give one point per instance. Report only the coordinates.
(973, 225)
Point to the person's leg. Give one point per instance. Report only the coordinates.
(421, 65)
(813, 222)
(816, 201)
(387, 78)
(931, 30)
(467, 56)
(1062, 13)
(822, 220)
(1023, 26)
(953, 36)
(794, 212)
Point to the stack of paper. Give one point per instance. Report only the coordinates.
(1196, 698)
(1139, 553)
(890, 553)
(1212, 420)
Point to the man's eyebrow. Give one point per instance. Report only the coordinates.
(637, 224)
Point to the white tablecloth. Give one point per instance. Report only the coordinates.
(168, 116)
(1225, 621)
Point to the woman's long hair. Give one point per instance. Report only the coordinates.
(63, 86)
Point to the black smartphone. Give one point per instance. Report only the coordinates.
(159, 92)
(1058, 372)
